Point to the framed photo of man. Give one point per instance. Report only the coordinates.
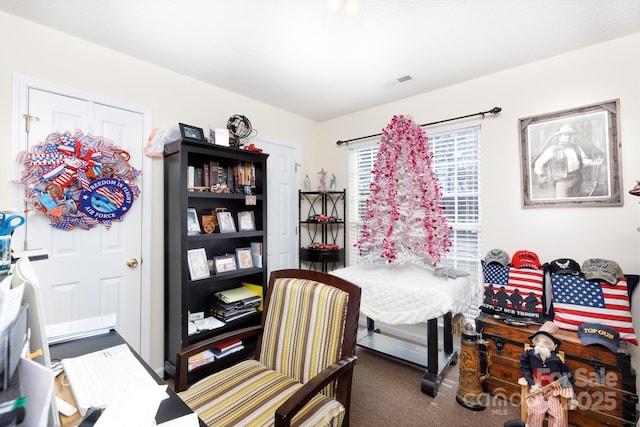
(571, 158)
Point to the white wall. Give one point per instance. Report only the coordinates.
(599, 73)
(52, 56)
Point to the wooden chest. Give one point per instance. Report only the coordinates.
(604, 381)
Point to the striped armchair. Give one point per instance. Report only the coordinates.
(303, 366)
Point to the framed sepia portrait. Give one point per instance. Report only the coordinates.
(225, 264)
(198, 264)
(244, 258)
(225, 222)
(571, 157)
(246, 221)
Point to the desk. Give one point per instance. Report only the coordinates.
(170, 408)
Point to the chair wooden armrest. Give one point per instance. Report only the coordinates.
(289, 409)
(524, 389)
(182, 356)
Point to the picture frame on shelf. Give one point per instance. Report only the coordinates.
(246, 221)
(225, 222)
(191, 133)
(244, 258)
(570, 158)
(198, 264)
(193, 225)
(225, 264)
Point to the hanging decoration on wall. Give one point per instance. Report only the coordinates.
(403, 220)
(79, 180)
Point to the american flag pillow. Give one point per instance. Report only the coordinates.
(577, 301)
(515, 292)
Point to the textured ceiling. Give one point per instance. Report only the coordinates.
(325, 58)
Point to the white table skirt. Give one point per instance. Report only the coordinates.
(407, 293)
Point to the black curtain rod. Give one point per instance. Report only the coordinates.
(494, 110)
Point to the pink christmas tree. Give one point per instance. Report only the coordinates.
(404, 221)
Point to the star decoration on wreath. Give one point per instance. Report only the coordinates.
(79, 180)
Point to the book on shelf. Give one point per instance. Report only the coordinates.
(227, 348)
(228, 345)
(228, 317)
(226, 313)
(201, 359)
(191, 176)
(235, 295)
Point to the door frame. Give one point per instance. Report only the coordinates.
(21, 85)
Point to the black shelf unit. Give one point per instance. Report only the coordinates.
(183, 295)
(313, 205)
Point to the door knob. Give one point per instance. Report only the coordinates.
(132, 262)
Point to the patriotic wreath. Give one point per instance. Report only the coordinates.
(79, 180)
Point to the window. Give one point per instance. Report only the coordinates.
(456, 162)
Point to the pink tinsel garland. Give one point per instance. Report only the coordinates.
(404, 219)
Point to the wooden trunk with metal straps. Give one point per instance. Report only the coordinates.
(605, 381)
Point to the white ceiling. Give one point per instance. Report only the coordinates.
(301, 56)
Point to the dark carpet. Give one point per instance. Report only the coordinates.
(387, 392)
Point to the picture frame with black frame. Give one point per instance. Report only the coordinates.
(193, 225)
(246, 221)
(191, 133)
(570, 158)
(244, 258)
(198, 264)
(225, 222)
(225, 264)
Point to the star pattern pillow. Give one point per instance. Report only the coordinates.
(577, 301)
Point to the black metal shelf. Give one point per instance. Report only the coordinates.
(329, 204)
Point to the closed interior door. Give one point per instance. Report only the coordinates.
(87, 272)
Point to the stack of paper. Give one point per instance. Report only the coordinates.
(201, 359)
(235, 303)
(205, 324)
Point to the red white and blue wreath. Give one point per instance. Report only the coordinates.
(79, 180)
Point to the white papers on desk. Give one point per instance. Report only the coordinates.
(68, 331)
(97, 378)
(133, 408)
(10, 301)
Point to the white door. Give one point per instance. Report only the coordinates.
(86, 273)
(283, 179)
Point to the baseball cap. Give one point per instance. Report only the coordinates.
(525, 259)
(564, 266)
(603, 269)
(498, 256)
(549, 329)
(595, 333)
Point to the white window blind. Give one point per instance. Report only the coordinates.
(456, 162)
